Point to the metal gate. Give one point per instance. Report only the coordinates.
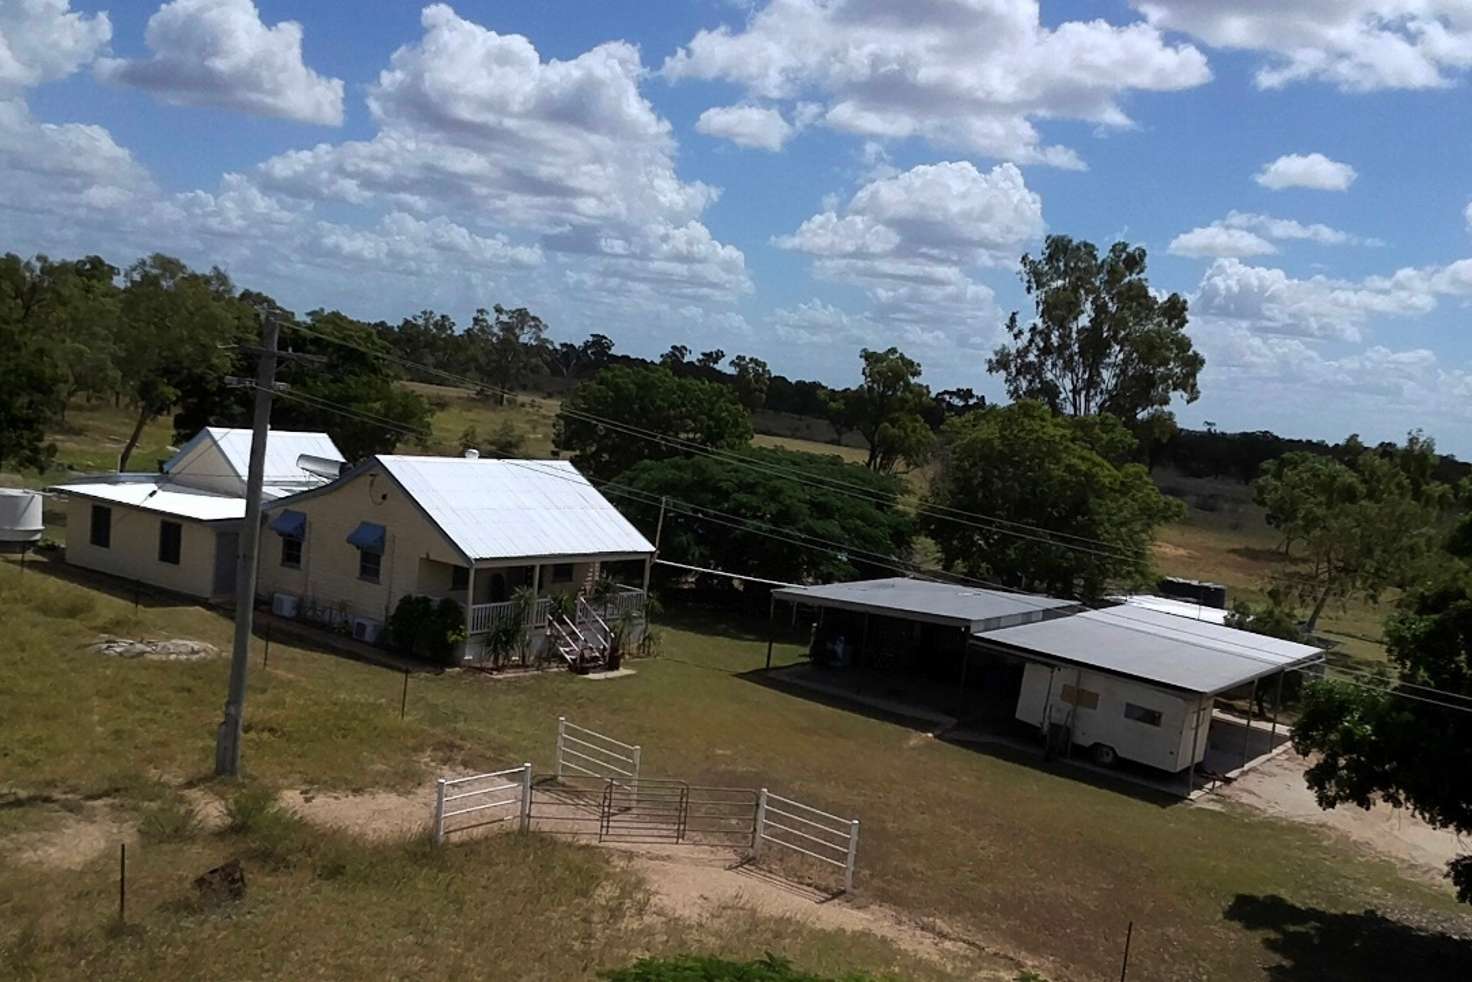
(678, 813)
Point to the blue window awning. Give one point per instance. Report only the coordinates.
(290, 524)
(368, 537)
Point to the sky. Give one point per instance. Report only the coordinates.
(791, 179)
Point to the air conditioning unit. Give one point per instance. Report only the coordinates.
(366, 630)
(285, 604)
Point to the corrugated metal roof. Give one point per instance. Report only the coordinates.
(283, 447)
(155, 494)
(925, 600)
(1158, 647)
(509, 509)
(1181, 608)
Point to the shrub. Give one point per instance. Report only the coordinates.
(275, 835)
(697, 968)
(171, 820)
(421, 627)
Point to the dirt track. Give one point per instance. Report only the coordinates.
(1277, 788)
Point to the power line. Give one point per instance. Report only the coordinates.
(975, 519)
(895, 564)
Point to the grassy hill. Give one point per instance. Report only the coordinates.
(994, 848)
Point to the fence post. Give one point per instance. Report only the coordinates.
(853, 848)
(1124, 967)
(122, 883)
(636, 775)
(561, 729)
(439, 812)
(761, 822)
(526, 796)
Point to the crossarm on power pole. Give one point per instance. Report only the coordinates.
(227, 741)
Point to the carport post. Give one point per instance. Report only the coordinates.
(1277, 703)
(965, 663)
(771, 628)
(1247, 739)
(1196, 742)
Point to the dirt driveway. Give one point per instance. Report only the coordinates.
(1276, 787)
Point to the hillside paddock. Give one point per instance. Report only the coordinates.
(1002, 863)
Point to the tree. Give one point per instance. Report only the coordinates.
(40, 321)
(675, 357)
(1371, 744)
(1065, 511)
(508, 349)
(1363, 525)
(885, 409)
(650, 398)
(352, 393)
(428, 339)
(176, 326)
(711, 359)
(870, 523)
(1101, 340)
(752, 379)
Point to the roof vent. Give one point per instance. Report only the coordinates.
(472, 454)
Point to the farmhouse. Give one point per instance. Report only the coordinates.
(179, 528)
(1124, 682)
(521, 541)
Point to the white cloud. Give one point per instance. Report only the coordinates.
(1313, 171)
(71, 170)
(44, 40)
(1287, 228)
(958, 73)
(910, 240)
(1219, 241)
(755, 127)
(1362, 388)
(1467, 214)
(1270, 301)
(408, 244)
(1357, 45)
(475, 122)
(220, 53)
(1244, 234)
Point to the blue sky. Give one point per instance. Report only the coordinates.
(795, 179)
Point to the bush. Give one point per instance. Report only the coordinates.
(424, 628)
(276, 835)
(697, 968)
(170, 820)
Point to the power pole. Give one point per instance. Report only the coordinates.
(227, 741)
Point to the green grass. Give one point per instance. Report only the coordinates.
(328, 906)
(1226, 539)
(457, 408)
(1004, 850)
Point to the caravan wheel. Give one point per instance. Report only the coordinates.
(1103, 754)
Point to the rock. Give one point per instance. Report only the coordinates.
(222, 883)
(178, 649)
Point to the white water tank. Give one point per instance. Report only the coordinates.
(20, 519)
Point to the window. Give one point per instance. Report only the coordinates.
(291, 552)
(562, 573)
(1140, 714)
(101, 526)
(1082, 698)
(459, 577)
(369, 564)
(170, 537)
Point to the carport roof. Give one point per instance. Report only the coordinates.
(926, 600)
(1155, 647)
